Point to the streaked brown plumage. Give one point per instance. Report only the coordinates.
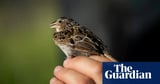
(76, 40)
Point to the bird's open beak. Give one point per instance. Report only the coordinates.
(53, 25)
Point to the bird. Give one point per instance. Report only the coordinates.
(77, 40)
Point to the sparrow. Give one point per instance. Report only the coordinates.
(76, 40)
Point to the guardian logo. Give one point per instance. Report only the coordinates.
(126, 72)
(131, 72)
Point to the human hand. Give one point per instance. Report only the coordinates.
(80, 70)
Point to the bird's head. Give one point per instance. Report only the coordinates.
(63, 23)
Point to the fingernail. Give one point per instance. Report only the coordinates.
(58, 68)
(66, 61)
(52, 81)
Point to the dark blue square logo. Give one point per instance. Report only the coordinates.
(131, 72)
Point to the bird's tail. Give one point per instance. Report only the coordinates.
(109, 56)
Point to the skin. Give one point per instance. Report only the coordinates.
(80, 70)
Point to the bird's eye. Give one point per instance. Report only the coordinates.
(60, 21)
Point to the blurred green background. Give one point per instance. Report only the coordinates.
(27, 52)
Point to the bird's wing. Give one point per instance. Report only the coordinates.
(85, 40)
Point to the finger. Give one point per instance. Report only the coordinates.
(100, 58)
(69, 76)
(85, 65)
(55, 81)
